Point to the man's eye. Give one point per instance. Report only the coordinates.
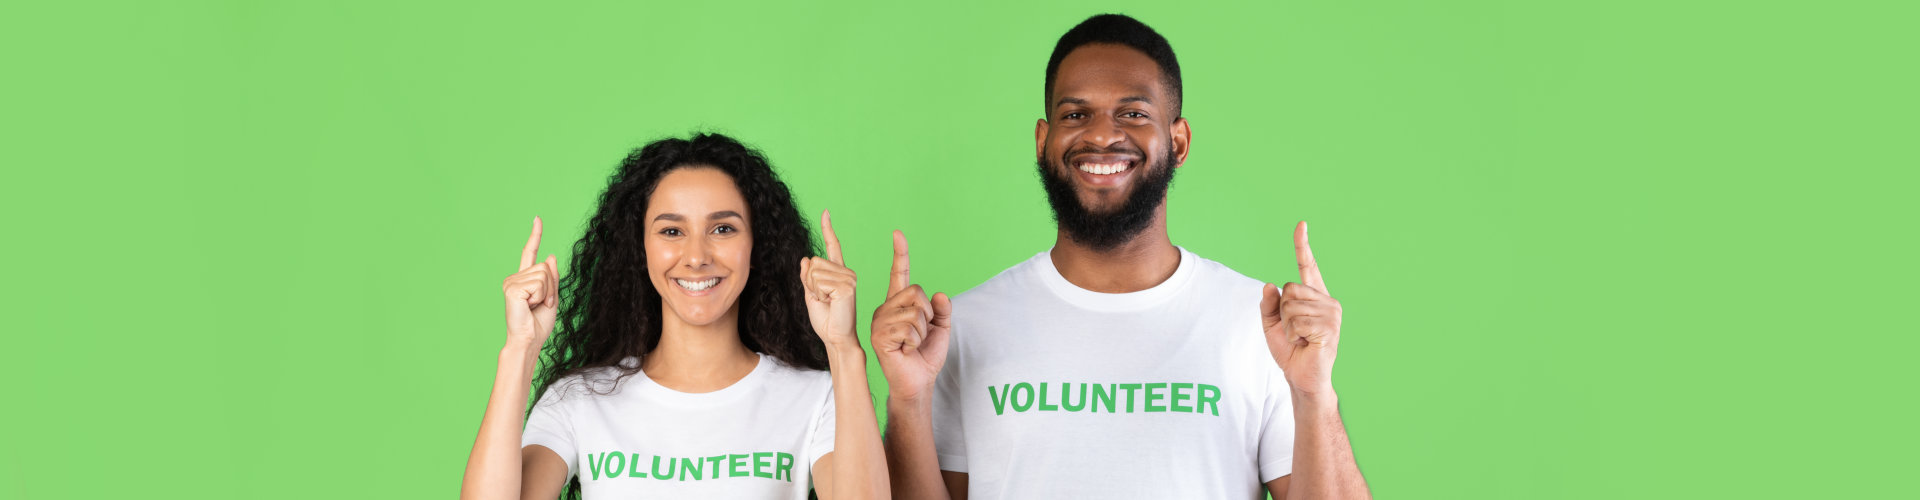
(1073, 116)
(1134, 114)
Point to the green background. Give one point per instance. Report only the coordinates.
(1586, 249)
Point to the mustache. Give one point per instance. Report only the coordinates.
(1122, 149)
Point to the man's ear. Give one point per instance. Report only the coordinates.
(1182, 141)
(1040, 139)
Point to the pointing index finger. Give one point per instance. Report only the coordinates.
(533, 245)
(1309, 269)
(832, 241)
(898, 279)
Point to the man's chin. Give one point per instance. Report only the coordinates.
(1101, 199)
(1102, 207)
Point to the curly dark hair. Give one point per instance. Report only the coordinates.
(610, 310)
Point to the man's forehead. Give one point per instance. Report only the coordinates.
(1107, 71)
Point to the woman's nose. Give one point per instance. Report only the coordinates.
(697, 256)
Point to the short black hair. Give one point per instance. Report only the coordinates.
(1118, 29)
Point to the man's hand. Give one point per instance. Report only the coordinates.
(1303, 324)
(910, 331)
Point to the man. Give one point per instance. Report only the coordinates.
(1115, 365)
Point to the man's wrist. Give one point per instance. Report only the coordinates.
(1315, 401)
(913, 408)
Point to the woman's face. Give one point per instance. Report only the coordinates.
(698, 244)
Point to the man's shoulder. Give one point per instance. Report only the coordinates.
(1009, 284)
(1216, 273)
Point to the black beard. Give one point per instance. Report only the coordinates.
(1103, 232)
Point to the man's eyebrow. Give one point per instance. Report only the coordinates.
(1075, 100)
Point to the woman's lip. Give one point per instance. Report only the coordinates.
(697, 293)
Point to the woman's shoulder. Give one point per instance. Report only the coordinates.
(786, 374)
(598, 381)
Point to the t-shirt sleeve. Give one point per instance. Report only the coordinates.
(823, 430)
(1276, 431)
(949, 433)
(551, 425)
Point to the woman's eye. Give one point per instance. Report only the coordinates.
(724, 229)
(671, 231)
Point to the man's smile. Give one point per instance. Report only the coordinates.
(1104, 170)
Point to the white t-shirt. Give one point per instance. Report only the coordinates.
(1054, 391)
(757, 438)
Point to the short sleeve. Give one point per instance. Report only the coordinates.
(949, 431)
(1276, 428)
(823, 430)
(550, 424)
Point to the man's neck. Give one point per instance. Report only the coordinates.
(1138, 264)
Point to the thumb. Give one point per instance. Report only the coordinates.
(806, 278)
(940, 328)
(1270, 304)
(942, 310)
(553, 282)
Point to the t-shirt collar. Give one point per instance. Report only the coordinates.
(1112, 302)
(731, 392)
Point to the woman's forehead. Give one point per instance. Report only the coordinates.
(696, 192)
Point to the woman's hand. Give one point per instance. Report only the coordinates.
(533, 296)
(830, 289)
(499, 468)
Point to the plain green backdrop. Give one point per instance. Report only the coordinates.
(1586, 249)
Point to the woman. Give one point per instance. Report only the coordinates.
(683, 366)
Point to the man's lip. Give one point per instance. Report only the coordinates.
(1102, 181)
(1130, 160)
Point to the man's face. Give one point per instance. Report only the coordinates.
(1109, 144)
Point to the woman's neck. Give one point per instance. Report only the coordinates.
(699, 358)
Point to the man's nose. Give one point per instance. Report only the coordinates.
(1104, 132)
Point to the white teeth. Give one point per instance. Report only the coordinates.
(1102, 168)
(697, 285)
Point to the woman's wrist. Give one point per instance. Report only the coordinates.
(843, 343)
(846, 351)
(519, 350)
